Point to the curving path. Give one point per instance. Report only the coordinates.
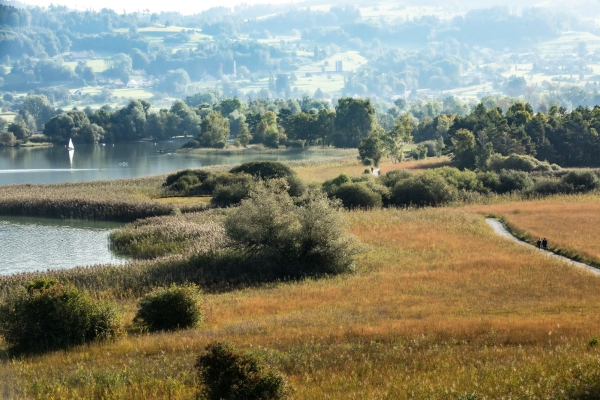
(501, 230)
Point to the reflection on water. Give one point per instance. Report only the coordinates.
(95, 162)
(32, 244)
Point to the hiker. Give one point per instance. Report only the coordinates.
(545, 244)
(371, 169)
(539, 243)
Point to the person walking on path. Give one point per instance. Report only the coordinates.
(545, 244)
(539, 243)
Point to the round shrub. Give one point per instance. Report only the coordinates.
(171, 308)
(462, 180)
(512, 181)
(229, 195)
(357, 195)
(517, 162)
(47, 315)
(392, 177)
(331, 185)
(272, 170)
(431, 146)
(489, 180)
(426, 189)
(581, 181)
(225, 373)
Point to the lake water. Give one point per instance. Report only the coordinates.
(95, 162)
(37, 244)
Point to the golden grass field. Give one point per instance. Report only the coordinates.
(570, 223)
(439, 306)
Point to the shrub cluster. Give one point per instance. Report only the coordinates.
(229, 188)
(226, 373)
(518, 162)
(291, 237)
(363, 192)
(170, 308)
(46, 315)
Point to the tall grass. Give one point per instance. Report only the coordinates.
(440, 307)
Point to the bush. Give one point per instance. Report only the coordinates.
(581, 181)
(420, 152)
(272, 170)
(426, 189)
(188, 176)
(298, 144)
(391, 178)
(175, 307)
(357, 195)
(517, 162)
(331, 185)
(192, 144)
(47, 315)
(462, 180)
(489, 180)
(226, 373)
(210, 184)
(512, 181)
(548, 186)
(432, 148)
(290, 237)
(229, 195)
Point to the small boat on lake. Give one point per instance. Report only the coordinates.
(70, 145)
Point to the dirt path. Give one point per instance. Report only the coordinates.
(501, 230)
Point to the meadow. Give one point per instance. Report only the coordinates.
(439, 307)
(568, 222)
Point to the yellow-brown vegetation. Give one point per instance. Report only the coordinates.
(569, 223)
(439, 307)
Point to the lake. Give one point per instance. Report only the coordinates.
(35, 244)
(96, 162)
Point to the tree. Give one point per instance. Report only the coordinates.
(244, 136)
(371, 148)
(7, 139)
(266, 131)
(38, 106)
(464, 148)
(19, 129)
(215, 130)
(400, 134)
(176, 81)
(354, 120)
(228, 106)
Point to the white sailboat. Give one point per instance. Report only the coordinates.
(70, 145)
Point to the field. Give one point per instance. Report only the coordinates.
(568, 42)
(568, 222)
(98, 66)
(439, 307)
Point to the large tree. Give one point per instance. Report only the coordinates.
(354, 121)
(215, 130)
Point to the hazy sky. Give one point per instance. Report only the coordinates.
(182, 6)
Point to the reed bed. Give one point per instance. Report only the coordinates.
(439, 307)
(192, 233)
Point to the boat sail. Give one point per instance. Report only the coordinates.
(70, 145)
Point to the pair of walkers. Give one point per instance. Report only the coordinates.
(542, 243)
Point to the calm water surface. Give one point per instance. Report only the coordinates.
(96, 162)
(36, 244)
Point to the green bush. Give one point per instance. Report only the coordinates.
(517, 162)
(358, 195)
(548, 186)
(272, 170)
(226, 373)
(47, 315)
(192, 144)
(291, 237)
(229, 195)
(174, 307)
(582, 181)
(432, 148)
(489, 180)
(513, 181)
(210, 184)
(426, 189)
(462, 180)
(420, 152)
(331, 185)
(391, 178)
(185, 180)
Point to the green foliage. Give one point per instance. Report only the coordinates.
(420, 152)
(512, 181)
(229, 195)
(392, 177)
(489, 180)
(170, 308)
(358, 195)
(272, 170)
(464, 148)
(426, 189)
(462, 180)
(549, 186)
(215, 130)
(46, 315)
(370, 150)
(291, 238)
(354, 121)
(225, 373)
(582, 181)
(517, 162)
